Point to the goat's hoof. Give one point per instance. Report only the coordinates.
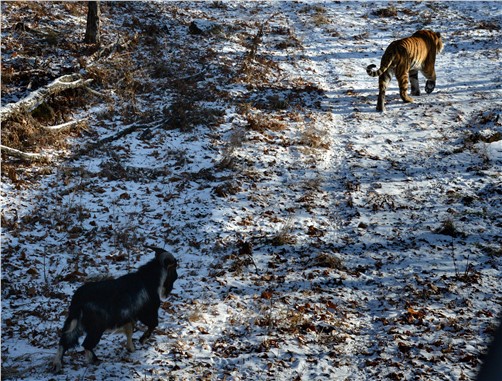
(56, 367)
(91, 357)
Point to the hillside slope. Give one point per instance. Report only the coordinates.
(317, 238)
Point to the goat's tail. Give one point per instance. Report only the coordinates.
(72, 328)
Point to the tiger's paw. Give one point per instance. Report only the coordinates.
(406, 98)
(429, 86)
(380, 105)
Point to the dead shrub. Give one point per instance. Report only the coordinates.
(185, 114)
(262, 123)
(227, 189)
(228, 155)
(285, 235)
(390, 11)
(314, 137)
(448, 228)
(319, 17)
(290, 41)
(329, 261)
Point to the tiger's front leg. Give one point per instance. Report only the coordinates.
(431, 80)
(429, 86)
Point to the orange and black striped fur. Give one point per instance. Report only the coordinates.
(405, 58)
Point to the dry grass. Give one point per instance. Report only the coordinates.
(228, 157)
(284, 235)
(449, 228)
(185, 114)
(390, 11)
(314, 137)
(319, 17)
(330, 261)
(261, 123)
(380, 201)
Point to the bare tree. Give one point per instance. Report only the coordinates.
(92, 34)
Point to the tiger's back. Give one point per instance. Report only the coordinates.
(404, 58)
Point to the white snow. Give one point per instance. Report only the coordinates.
(375, 238)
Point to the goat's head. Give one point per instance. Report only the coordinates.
(168, 266)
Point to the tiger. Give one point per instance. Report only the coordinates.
(405, 58)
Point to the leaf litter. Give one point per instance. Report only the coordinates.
(317, 238)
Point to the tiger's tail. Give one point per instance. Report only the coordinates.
(387, 61)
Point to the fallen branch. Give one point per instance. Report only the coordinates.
(126, 131)
(190, 77)
(23, 155)
(65, 125)
(97, 93)
(36, 98)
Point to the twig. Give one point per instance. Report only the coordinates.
(94, 92)
(188, 77)
(126, 131)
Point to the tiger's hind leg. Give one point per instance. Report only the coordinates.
(402, 79)
(415, 87)
(383, 82)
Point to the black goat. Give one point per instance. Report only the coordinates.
(118, 303)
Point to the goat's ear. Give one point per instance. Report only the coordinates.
(160, 254)
(170, 261)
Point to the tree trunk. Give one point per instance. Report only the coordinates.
(92, 35)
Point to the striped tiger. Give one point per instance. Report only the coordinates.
(405, 58)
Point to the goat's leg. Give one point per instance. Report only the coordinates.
(150, 318)
(91, 340)
(69, 339)
(128, 330)
(146, 335)
(57, 363)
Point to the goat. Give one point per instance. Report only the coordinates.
(491, 369)
(117, 303)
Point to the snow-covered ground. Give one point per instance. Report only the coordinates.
(317, 238)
